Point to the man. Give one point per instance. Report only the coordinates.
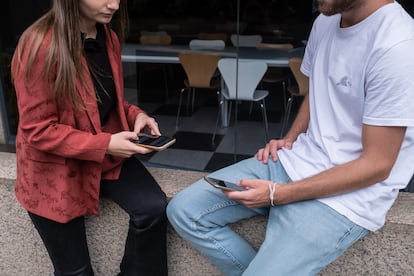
(338, 170)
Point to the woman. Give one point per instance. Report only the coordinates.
(74, 137)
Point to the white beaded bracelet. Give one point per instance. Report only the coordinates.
(272, 189)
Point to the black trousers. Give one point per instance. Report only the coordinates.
(140, 196)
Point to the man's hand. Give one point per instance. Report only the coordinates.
(271, 149)
(256, 194)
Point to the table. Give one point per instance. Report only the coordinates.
(169, 54)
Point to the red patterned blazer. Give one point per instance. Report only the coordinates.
(60, 152)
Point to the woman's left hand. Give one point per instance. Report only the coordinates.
(145, 123)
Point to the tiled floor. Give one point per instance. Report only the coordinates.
(194, 149)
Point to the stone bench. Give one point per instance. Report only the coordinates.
(389, 251)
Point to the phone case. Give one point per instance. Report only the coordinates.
(155, 143)
(220, 184)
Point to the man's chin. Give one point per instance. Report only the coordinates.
(328, 11)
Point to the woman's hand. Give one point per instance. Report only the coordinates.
(145, 123)
(256, 194)
(271, 149)
(121, 145)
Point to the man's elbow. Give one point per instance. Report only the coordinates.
(383, 170)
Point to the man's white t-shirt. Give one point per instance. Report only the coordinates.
(363, 74)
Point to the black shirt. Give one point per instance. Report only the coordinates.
(101, 71)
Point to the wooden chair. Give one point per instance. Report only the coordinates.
(274, 46)
(212, 36)
(241, 79)
(153, 38)
(199, 69)
(300, 89)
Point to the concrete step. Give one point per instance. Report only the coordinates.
(389, 251)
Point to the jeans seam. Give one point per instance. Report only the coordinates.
(214, 208)
(348, 233)
(218, 245)
(227, 253)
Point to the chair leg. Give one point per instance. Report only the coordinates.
(179, 107)
(193, 101)
(250, 110)
(229, 112)
(266, 126)
(189, 97)
(284, 95)
(213, 138)
(287, 115)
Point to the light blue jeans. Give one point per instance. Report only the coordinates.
(301, 238)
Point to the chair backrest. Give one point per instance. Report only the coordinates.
(212, 36)
(199, 67)
(247, 74)
(200, 44)
(152, 39)
(301, 79)
(277, 46)
(246, 40)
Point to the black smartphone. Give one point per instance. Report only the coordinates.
(220, 184)
(154, 142)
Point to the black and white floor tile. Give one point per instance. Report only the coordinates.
(194, 149)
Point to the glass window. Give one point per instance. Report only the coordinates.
(185, 19)
(182, 19)
(15, 17)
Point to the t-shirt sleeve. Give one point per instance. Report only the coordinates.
(319, 28)
(310, 49)
(390, 87)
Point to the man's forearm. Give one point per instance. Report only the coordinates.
(374, 165)
(338, 180)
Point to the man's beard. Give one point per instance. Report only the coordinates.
(331, 7)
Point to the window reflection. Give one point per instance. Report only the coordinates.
(277, 21)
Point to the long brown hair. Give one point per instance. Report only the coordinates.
(64, 54)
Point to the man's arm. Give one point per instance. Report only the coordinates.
(381, 146)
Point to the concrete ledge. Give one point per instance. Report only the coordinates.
(389, 251)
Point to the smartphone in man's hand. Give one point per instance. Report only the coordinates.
(223, 185)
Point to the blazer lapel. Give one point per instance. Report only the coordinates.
(89, 99)
(114, 55)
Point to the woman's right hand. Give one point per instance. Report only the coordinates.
(121, 145)
(271, 149)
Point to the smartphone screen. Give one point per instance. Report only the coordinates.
(154, 142)
(223, 185)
